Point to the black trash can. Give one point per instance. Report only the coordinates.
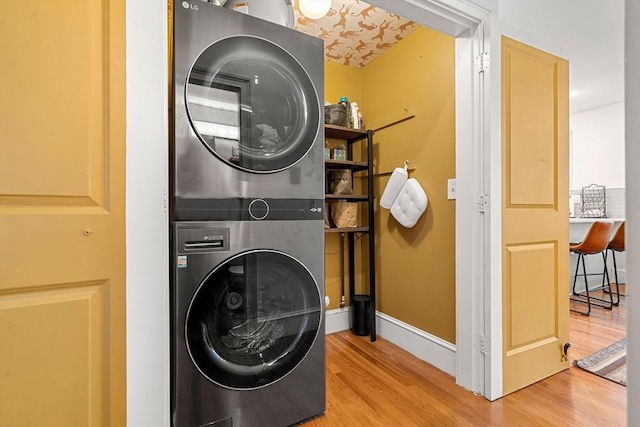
(360, 307)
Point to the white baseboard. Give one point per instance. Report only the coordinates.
(596, 281)
(622, 275)
(433, 350)
(336, 320)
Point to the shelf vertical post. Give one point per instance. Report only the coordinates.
(342, 302)
(352, 267)
(371, 236)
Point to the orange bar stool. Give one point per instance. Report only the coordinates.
(595, 242)
(616, 244)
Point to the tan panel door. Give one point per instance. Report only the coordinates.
(62, 241)
(535, 217)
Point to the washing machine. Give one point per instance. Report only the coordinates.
(247, 323)
(248, 115)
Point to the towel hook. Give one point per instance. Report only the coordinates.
(406, 165)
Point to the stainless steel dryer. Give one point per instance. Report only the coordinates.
(248, 340)
(248, 115)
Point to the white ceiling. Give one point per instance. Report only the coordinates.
(592, 34)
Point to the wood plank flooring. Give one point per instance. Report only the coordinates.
(379, 384)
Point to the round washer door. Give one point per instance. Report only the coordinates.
(253, 319)
(252, 104)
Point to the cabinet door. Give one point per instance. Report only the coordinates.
(62, 246)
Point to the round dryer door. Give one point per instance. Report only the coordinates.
(252, 104)
(253, 319)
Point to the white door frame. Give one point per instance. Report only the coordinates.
(476, 369)
(632, 152)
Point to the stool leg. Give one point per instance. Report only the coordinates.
(575, 277)
(615, 275)
(586, 284)
(605, 273)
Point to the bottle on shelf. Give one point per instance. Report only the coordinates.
(355, 113)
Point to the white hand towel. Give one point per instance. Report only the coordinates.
(410, 203)
(391, 191)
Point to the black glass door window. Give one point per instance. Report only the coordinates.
(253, 319)
(252, 104)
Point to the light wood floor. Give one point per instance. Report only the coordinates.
(379, 384)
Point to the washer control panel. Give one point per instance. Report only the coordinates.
(192, 240)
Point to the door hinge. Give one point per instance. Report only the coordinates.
(483, 203)
(481, 62)
(482, 343)
(165, 200)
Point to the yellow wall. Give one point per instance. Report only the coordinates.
(341, 80)
(415, 267)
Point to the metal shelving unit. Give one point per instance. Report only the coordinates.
(351, 137)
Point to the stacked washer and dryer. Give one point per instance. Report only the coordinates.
(247, 189)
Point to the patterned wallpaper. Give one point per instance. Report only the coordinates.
(354, 32)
